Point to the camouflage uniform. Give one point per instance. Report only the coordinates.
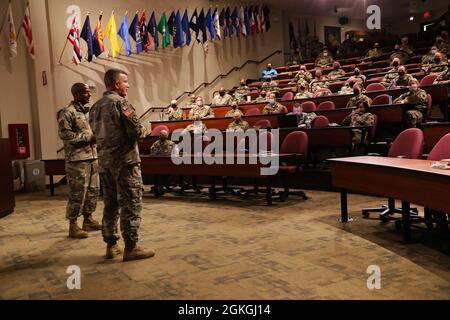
(372, 54)
(408, 49)
(241, 93)
(435, 67)
(303, 95)
(339, 73)
(261, 99)
(323, 61)
(219, 101)
(353, 102)
(81, 160)
(360, 79)
(419, 101)
(389, 77)
(175, 114)
(428, 58)
(322, 82)
(270, 87)
(118, 129)
(402, 81)
(232, 111)
(443, 76)
(276, 108)
(444, 47)
(193, 128)
(305, 118)
(402, 55)
(358, 119)
(203, 111)
(162, 147)
(239, 125)
(346, 89)
(303, 76)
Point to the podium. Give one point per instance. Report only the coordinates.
(7, 200)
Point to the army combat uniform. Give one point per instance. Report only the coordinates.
(232, 112)
(303, 76)
(241, 93)
(196, 129)
(118, 129)
(358, 119)
(389, 77)
(270, 87)
(203, 111)
(238, 125)
(339, 73)
(275, 108)
(419, 101)
(372, 54)
(435, 68)
(81, 160)
(260, 99)
(303, 95)
(163, 148)
(220, 101)
(353, 102)
(402, 81)
(322, 82)
(323, 61)
(175, 114)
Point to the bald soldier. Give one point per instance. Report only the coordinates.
(175, 113)
(418, 99)
(163, 146)
(238, 124)
(221, 99)
(117, 127)
(200, 109)
(81, 162)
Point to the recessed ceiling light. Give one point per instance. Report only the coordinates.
(411, 18)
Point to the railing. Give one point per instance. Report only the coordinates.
(221, 76)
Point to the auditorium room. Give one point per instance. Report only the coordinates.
(224, 150)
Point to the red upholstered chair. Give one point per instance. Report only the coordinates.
(382, 99)
(253, 112)
(320, 122)
(375, 87)
(308, 106)
(263, 124)
(157, 130)
(427, 113)
(326, 105)
(441, 150)
(287, 96)
(409, 145)
(428, 80)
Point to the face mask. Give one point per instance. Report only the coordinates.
(269, 68)
(401, 74)
(439, 41)
(302, 88)
(437, 60)
(269, 80)
(242, 83)
(433, 52)
(357, 73)
(325, 54)
(197, 122)
(395, 64)
(174, 106)
(336, 68)
(234, 106)
(397, 49)
(351, 84)
(263, 95)
(356, 91)
(222, 94)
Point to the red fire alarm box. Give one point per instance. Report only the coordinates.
(20, 141)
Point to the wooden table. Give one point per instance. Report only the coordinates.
(412, 181)
(54, 167)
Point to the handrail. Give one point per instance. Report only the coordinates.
(221, 76)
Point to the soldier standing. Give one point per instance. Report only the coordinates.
(81, 162)
(118, 129)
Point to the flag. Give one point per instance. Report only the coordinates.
(258, 19)
(217, 25)
(228, 23)
(251, 14)
(86, 35)
(266, 14)
(171, 25)
(185, 26)
(99, 44)
(235, 22)
(222, 22)
(201, 25)
(163, 28)
(241, 21)
(144, 33)
(74, 39)
(12, 35)
(27, 32)
(193, 23)
(152, 29)
(209, 23)
(123, 33)
(179, 30)
(135, 33)
(111, 33)
(247, 21)
(261, 19)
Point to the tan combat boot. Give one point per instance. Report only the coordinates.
(112, 250)
(134, 252)
(89, 224)
(75, 232)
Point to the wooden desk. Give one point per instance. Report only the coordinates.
(54, 167)
(7, 196)
(433, 132)
(412, 181)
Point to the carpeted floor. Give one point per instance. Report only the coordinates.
(229, 249)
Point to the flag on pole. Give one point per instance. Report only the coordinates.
(258, 20)
(12, 35)
(222, 23)
(235, 22)
(266, 14)
(144, 33)
(152, 29)
(123, 33)
(86, 35)
(74, 39)
(135, 33)
(163, 28)
(179, 30)
(228, 22)
(185, 26)
(247, 21)
(201, 25)
(171, 25)
(217, 24)
(262, 19)
(99, 44)
(209, 23)
(251, 13)
(27, 32)
(193, 23)
(111, 33)
(241, 20)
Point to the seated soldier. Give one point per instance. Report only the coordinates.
(359, 118)
(303, 92)
(406, 47)
(359, 97)
(163, 146)
(418, 99)
(191, 104)
(442, 45)
(304, 119)
(238, 124)
(242, 91)
(324, 59)
(403, 78)
(273, 106)
(303, 75)
(221, 99)
(319, 81)
(429, 57)
(391, 74)
(337, 71)
(443, 77)
(439, 65)
(174, 113)
(270, 86)
(200, 109)
(347, 88)
(270, 71)
(400, 54)
(234, 109)
(360, 78)
(262, 97)
(373, 53)
(197, 127)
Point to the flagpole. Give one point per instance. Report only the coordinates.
(123, 41)
(64, 49)
(110, 49)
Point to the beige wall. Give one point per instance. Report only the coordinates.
(155, 77)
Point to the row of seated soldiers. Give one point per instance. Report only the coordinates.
(358, 118)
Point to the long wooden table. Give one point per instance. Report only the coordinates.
(412, 181)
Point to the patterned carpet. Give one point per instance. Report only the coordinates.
(229, 249)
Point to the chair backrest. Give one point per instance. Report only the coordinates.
(264, 123)
(428, 80)
(430, 101)
(296, 142)
(382, 99)
(375, 87)
(253, 112)
(287, 96)
(373, 131)
(326, 105)
(441, 150)
(408, 144)
(157, 130)
(309, 106)
(320, 121)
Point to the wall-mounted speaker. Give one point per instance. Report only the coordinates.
(343, 20)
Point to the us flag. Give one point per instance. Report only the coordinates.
(27, 32)
(74, 39)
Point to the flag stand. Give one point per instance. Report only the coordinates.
(62, 52)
